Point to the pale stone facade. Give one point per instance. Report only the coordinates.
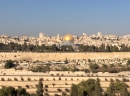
(62, 56)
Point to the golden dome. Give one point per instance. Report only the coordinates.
(68, 37)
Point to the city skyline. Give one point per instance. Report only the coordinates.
(31, 17)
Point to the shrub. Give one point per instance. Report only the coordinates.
(59, 90)
(113, 71)
(46, 86)
(57, 74)
(8, 64)
(66, 61)
(2, 79)
(53, 84)
(29, 79)
(9, 79)
(22, 79)
(94, 66)
(106, 79)
(15, 79)
(67, 90)
(19, 87)
(27, 86)
(59, 78)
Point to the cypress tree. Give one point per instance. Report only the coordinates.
(74, 90)
(39, 91)
(124, 90)
(111, 88)
(97, 88)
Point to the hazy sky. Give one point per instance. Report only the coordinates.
(30, 17)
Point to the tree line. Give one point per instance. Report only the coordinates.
(11, 91)
(103, 48)
(91, 87)
(14, 47)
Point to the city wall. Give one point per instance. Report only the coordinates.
(30, 56)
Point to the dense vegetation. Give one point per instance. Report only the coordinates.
(117, 88)
(39, 91)
(8, 64)
(111, 68)
(14, 47)
(11, 91)
(91, 87)
(41, 68)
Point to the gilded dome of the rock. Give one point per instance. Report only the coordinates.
(68, 37)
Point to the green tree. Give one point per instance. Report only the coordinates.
(124, 48)
(81, 48)
(22, 92)
(128, 63)
(54, 47)
(74, 90)
(39, 91)
(7, 91)
(86, 88)
(66, 61)
(104, 66)
(63, 48)
(125, 91)
(94, 66)
(108, 49)
(11, 91)
(117, 88)
(70, 48)
(97, 88)
(101, 48)
(111, 88)
(8, 64)
(114, 49)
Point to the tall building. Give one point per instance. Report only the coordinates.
(84, 35)
(41, 35)
(99, 34)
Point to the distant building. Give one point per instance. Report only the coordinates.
(84, 35)
(99, 34)
(41, 35)
(68, 39)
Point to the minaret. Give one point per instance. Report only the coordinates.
(58, 37)
(84, 35)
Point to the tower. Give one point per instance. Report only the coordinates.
(41, 35)
(99, 34)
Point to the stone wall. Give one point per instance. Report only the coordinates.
(62, 56)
